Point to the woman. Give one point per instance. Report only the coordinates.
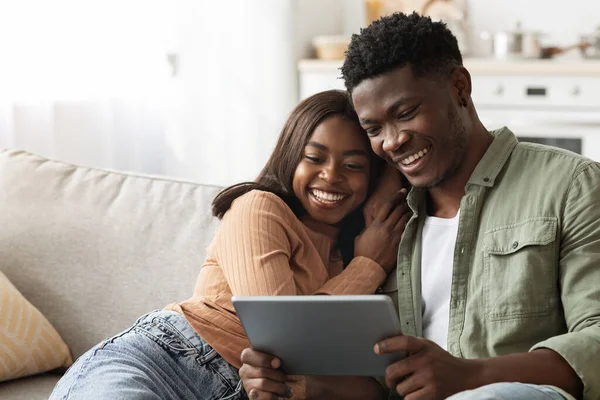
(296, 230)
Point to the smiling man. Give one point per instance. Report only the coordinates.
(498, 272)
(499, 267)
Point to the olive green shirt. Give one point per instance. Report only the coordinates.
(526, 260)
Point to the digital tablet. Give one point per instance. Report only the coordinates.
(321, 335)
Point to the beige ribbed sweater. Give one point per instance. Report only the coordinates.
(262, 249)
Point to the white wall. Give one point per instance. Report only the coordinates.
(237, 81)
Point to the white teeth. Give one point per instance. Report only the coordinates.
(414, 157)
(327, 197)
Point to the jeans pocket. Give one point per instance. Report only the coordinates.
(176, 336)
(229, 377)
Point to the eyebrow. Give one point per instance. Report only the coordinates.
(354, 152)
(390, 109)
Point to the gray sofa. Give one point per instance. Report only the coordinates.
(93, 249)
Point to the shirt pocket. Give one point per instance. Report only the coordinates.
(520, 269)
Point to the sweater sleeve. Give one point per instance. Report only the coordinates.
(255, 246)
(361, 276)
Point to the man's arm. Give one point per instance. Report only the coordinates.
(570, 361)
(541, 367)
(580, 279)
(430, 372)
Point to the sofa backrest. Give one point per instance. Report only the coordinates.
(94, 249)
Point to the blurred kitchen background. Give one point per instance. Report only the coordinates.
(199, 89)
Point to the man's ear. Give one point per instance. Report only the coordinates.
(461, 83)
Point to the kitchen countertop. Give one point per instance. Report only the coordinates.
(484, 66)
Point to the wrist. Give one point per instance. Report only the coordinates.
(478, 375)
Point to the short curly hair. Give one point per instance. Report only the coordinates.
(428, 47)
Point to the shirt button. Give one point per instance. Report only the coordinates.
(486, 179)
(462, 250)
(515, 244)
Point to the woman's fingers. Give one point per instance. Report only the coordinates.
(259, 359)
(388, 206)
(265, 388)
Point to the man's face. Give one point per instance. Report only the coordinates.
(414, 124)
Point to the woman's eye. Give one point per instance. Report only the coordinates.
(355, 167)
(372, 131)
(313, 159)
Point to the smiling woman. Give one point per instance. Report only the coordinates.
(298, 229)
(332, 178)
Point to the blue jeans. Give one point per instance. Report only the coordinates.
(159, 357)
(510, 391)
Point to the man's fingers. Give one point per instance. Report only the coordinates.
(258, 359)
(408, 344)
(399, 370)
(408, 385)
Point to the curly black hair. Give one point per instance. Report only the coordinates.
(428, 47)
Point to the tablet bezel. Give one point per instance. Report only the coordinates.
(321, 335)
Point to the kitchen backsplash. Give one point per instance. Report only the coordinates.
(562, 22)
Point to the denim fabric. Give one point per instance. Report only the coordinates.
(159, 357)
(510, 391)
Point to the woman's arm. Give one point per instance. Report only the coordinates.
(256, 242)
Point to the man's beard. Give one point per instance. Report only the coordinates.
(457, 144)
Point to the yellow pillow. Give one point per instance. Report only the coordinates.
(29, 344)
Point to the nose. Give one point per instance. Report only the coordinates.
(393, 139)
(330, 173)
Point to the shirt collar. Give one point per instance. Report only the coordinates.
(495, 158)
(487, 169)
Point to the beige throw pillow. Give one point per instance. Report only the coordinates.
(29, 344)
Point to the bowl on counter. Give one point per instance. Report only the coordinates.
(331, 47)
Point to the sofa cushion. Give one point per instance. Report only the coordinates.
(28, 343)
(94, 249)
(37, 387)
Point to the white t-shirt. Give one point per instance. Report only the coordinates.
(437, 255)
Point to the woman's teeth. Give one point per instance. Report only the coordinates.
(411, 159)
(327, 197)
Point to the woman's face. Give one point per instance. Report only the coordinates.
(332, 178)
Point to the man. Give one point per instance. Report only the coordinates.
(499, 267)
